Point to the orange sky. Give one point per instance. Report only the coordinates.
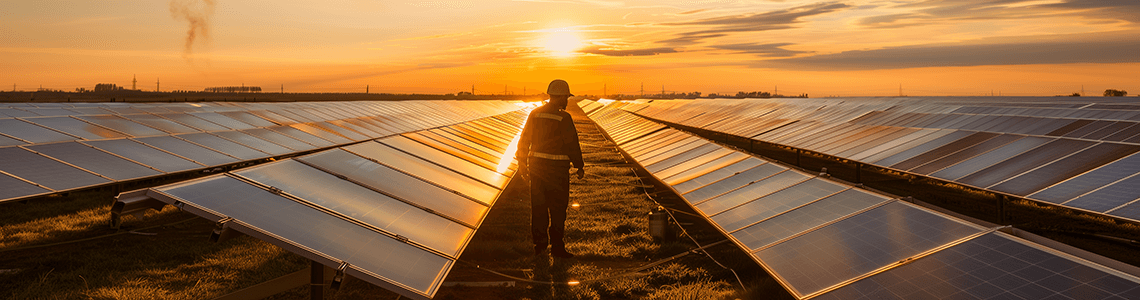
(823, 48)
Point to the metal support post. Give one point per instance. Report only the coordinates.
(798, 154)
(858, 173)
(316, 280)
(1001, 208)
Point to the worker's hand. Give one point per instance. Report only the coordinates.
(581, 172)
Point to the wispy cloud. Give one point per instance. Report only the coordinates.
(1114, 47)
(764, 50)
(627, 52)
(590, 2)
(772, 20)
(939, 11)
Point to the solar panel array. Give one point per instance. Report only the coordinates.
(821, 238)
(54, 147)
(1061, 151)
(396, 212)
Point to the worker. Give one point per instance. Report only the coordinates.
(546, 150)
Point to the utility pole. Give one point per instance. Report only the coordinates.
(777, 92)
(524, 91)
(134, 82)
(900, 90)
(366, 88)
(282, 88)
(605, 87)
(157, 82)
(642, 89)
(662, 90)
(504, 89)
(472, 89)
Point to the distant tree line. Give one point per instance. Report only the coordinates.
(1115, 93)
(234, 89)
(756, 95)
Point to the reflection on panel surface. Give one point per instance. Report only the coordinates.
(826, 239)
(413, 212)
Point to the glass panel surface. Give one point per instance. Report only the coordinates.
(45, 171)
(146, 155)
(362, 204)
(810, 216)
(188, 150)
(301, 135)
(248, 118)
(966, 153)
(11, 188)
(160, 123)
(701, 168)
(76, 127)
(1130, 211)
(682, 157)
(734, 182)
(858, 245)
(892, 147)
(1109, 197)
(345, 132)
(990, 158)
(431, 172)
(31, 132)
(94, 160)
(491, 162)
(253, 142)
(916, 150)
(466, 146)
(714, 175)
(1065, 168)
(441, 158)
(314, 229)
(194, 122)
(751, 191)
(1024, 162)
(991, 266)
(122, 125)
(774, 203)
(668, 151)
(224, 146)
(944, 150)
(695, 162)
(7, 141)
(398, 185)
(222, 120)
(1094, 179)
(279, 139)
(336, 139)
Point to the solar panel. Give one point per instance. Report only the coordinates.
(121, 125)
(254, 142)
(143, 154)
(482, 191)
(769, 205)
(44, 171)
(736, 181)
(782, 226)
(280, 139)
(11, 187)
(363, 204)
(992, 266)
(223, 145)
(93, 160)
(189, 150)
(31, 132)
(160, 123)
(399, 185)
(1089, 181)
(327, 235)
(718, 174)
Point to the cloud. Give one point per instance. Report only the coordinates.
(765, 50)
(1112, 47)
(590, 2)
(772, 20)
(937, 11)
(197, 14)
(631, 52)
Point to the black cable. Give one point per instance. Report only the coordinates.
(95, 237)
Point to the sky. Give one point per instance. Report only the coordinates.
(821, 48)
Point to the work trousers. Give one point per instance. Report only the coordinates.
(549, 196)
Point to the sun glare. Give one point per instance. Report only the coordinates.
(562, 43)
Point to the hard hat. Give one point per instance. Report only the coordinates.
(559, 87)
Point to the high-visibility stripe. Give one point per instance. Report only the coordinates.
(550, 116)
(549, 156)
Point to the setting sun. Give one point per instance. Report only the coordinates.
(562, 43)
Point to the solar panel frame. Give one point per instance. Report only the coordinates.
(92, 159)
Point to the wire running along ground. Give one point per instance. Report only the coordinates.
(99, 237)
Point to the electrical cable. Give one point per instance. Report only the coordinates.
(95, 237)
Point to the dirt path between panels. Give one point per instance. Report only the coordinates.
(608, 233)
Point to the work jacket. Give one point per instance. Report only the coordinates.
(549, 134)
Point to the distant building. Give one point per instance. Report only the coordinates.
(107, 87)
(234, 89)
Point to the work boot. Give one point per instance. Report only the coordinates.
(561, 253)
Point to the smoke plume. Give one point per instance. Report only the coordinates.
(197, 13)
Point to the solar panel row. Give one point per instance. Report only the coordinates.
(83, 146)
(1083, 157)
(825, 239)
(396, 211)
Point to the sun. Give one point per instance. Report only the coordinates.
(562, 43)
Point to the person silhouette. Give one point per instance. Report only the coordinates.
(546, 150)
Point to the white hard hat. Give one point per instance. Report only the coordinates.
(559, 87)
